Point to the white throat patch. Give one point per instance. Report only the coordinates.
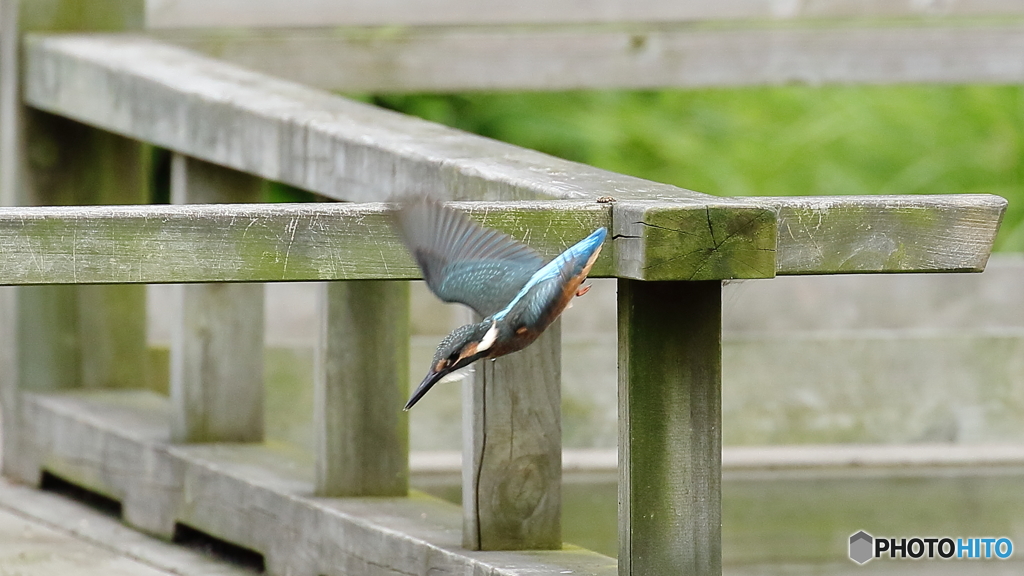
(489, 337)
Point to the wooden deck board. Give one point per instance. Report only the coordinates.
(260, 497)
(44, 534)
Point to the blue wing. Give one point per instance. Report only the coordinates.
(546, 285)
(462, 261)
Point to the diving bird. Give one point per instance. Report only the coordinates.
(504, 281)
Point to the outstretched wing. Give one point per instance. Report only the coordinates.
(461, 261)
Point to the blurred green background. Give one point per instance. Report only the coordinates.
(792, 140)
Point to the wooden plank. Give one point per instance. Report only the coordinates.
(512, 449)
(336, 241)
(259, 496)
(30, 548)
(290, 133)
(216, 243)
(670, 428)
(833, 235)
(637, 56)
(285, 13)
(108, 535)
(361, 380)
(216, 376)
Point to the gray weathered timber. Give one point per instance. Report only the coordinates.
(253, 242)
(361, 381)
(30, 548)
(347, 150)
(651, 55)
(112, 319)
(836, 234)
(116, 443)
(78, 525)
(216, 379)
(292, 13)
(670, 436)
(512, 449)
(165, 244)
(294, 134)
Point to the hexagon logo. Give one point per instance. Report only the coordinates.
(861, 547)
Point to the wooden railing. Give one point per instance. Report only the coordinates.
(79, 112)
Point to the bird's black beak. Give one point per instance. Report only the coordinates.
(428, 382)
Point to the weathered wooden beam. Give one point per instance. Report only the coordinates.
(656, 240)
(512, 449)
(260, 497)
(250, 242)
(281, 131)
(840, 235)
(216, 378)
(650, 55)
(670, 428)
(292, 13)
(361, 381)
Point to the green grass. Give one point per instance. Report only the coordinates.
(792, 140)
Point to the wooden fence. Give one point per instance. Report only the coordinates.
(79, 114)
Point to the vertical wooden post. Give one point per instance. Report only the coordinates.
(361, 379)
(112, 319)
(512, 449)
(64, 336)
(217, 337)
(670, 440)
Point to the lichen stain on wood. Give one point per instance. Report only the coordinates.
(891, 234)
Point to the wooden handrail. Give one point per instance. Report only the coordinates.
(284, 13)
(626, 55)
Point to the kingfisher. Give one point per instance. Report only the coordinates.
(505, 281)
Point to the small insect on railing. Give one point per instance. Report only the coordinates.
(73, 351)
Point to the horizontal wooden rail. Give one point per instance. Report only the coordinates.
(338, 241)
(248, 242)
(282, 131)
(854, 234)
(290, 13)
(623, 56)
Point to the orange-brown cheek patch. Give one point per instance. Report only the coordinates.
(441, 364)
(467, 351)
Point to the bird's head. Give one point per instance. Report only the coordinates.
(459, 349)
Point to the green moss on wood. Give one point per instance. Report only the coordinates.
(709, 243)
